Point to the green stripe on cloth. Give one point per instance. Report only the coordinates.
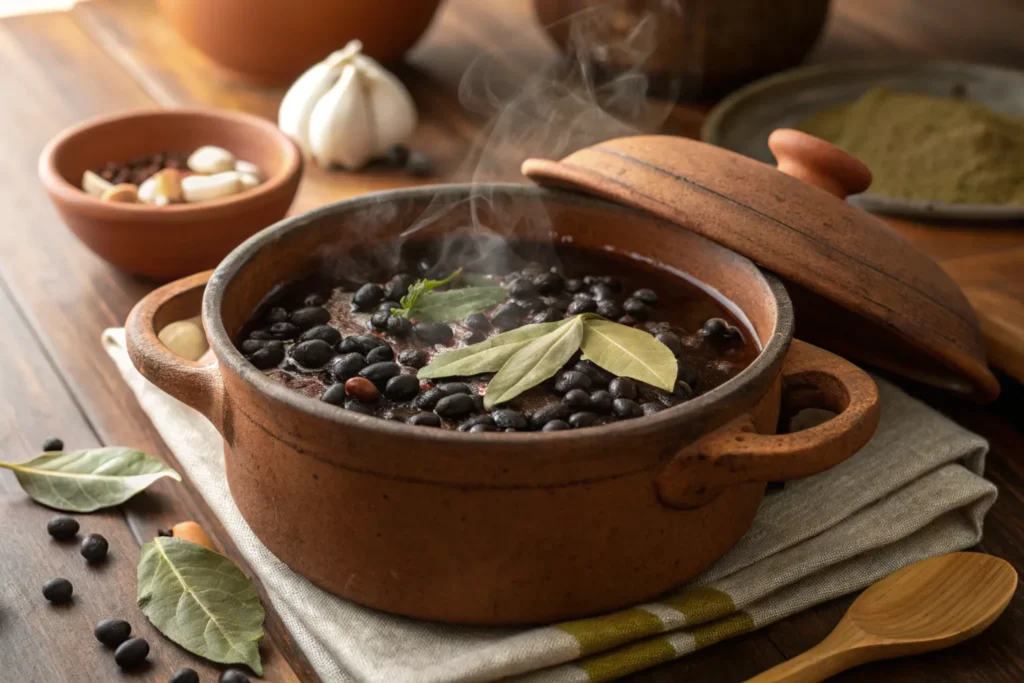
(626, 660)
(701, 605)
(601, 633)
(717, 631)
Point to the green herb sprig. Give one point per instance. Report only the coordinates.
(425, 304)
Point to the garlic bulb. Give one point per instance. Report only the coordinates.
(347, 110)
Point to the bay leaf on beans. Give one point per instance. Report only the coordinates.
(456, 304)
(629, 352)
(202, 601)
(486, 356)
(535, 362)
(90, 479)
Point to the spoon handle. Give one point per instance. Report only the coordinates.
(843, 649)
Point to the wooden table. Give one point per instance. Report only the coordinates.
(56, 297)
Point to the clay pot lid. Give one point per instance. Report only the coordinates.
(859, 288)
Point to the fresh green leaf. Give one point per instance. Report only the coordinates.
(456, 304)
(418, 289)
(629, 352)
(535, 362)
(88, 480)
(201, 601)
(478, 280)
(487, 356)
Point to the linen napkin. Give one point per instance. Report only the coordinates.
(915, 491)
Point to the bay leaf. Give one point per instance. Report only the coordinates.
(535, 362)
(488, 355)
(202, 601)
(88, 480)
(456, 304)
(629, 352)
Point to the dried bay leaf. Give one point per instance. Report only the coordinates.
(88, 480)
(199, 599)
(629, 352)
(535, 362)
(456, 304)
(487, 356)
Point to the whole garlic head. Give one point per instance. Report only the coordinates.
(347, 110)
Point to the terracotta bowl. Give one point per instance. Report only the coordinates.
(273, 42)
(500, 528)
(169, 241)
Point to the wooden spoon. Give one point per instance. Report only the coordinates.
(926, 606)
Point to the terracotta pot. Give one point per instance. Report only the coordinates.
(501, 528)
(273, 42)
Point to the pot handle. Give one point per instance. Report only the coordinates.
(737, 454)
(195, 383)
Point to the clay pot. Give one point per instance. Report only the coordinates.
(501, 528)
(274, 42)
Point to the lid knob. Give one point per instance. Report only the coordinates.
(818, 163)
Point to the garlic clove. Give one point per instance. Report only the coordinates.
(203, 188)
(340, 130)
(393, 110)
(248, 181)
(298, 103)
(185, 338)
(209, 159)
(248, 168)
(124, 193)
(95, 184)
(161, 188)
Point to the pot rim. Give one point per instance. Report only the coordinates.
(695, 409)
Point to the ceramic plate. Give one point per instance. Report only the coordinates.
(742, 121)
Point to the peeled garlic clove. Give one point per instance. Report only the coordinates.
(209, 160)
(248, 181)
(248, 168)
(125, 193)
(302, 96)
(203, 188)
(340, 130)
(95, 184)
(185, 338)
(148, 193)
(161, 188)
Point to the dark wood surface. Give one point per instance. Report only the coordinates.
(56, 297)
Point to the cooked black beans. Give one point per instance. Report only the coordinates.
(682, 389)
(335, 394)
(261, 335)
(433, 332)
(250, 346)
(622, 387)
(314, 299)
(474, 337)
(609, 308)
(559, 302)
(131, 653)
(572, 379)
(112, 632)
(552, 411)
(323, 333)
(380, 373)
(672, 341)
(650, 408)
(478, 402)
(577, 398)
(387, 305)
(367, 296)
(360, 343)
(548, 283)
(379, 320)
(601, 401)
(284, 331)
(398, 286)
(686, 374)
(478, 322)
(346, 366)
(449, 388)
(483, 428)
(583, 419)
(581, 305)
(402, 388)
(314, 353)
(58, 591)
(522, 288)
(94, 548)
(413, 358)
(601, 292)
(277, 315)
(599, 377)
(380, 354)
(399, 326)
(62, 527)
(455, 406)
(548, 315)
(476, 421)
(506, 418)
(425, 420)
(53, 444)
(507, 317)
(233, 676)
(718, 330)
(627, 320)
(311, 316)
(555, 426)
(636, 308)
(269, 356)
(648, 296)
(626, 408)
(185, 675)
(573, 285)
(428, 399)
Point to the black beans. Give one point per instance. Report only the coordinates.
(362, 390)
(548, 315)
(284, 331)
(552, 411)
(62, 527)
(367, 296)
(428, 399)
(413, 358)
(455, 406)
(387, 305)
(314, 353)
(131, 653)
(250, 346)
(574, 285)
(648, 296)
(483, 428)
(686, 374)
(269, 356)
(601, 401)
(583, 419)
(402, 388)
(398, 286)
(599, 377)
(277, 315)
(311, 316)
(324, 333)
(261, 335)
(507, 317)
(425, 420)
(651, 408)
(112, 632)
(555, 426)
(58, 591)
(379, 320)
(522, 288)
(356, 406)
(94, 548)
(683, 389)
(636, 308)
(506, 418)
(609, 308)
(548, 283)
(627, 320)
(474, 337)
(672, 341)
(626, 408)
(380, 373)
(335, 394)
(399, 326)
(53, 444)
(314, 299)
(531, 307)
(185, 675)
(347, 366)
(360, 343)
(475, 421)
(559, 302)
(478, 322)
(433, 332)
(601, 292)
(581, 305)
(718, 330)
(622, 387)
(380, 354)
(576, 398)
(478, 402)
(572, 379)
(449, 388)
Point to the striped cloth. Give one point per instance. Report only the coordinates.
(915, 491)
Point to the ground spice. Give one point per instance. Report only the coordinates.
(924, 147)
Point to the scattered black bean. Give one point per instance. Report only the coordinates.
(425, 420)
(312, 354)
(387, 305)
(455, 406)
(94, 548)
(648, 296)
(360, 343)
(269, 356)
(601, 401)
(622, 387)
(347, 366)
(356, 406)
(531, 307)
(583, 419)
(507, 317)
(323, 333)
(277, 315)
(62, 527)
(627, 320)
(577, 398)
(555, 426)
(449, 388)
(626, 408)
(599, 377)
(483, 428)
(380, 355)
(548, 315)
(522, 288)
(398, 286)
(552, 411)
(672, 341)
(419, 164)
(284, 331)
(112, 632)
(131, 653)
(399, 326)
(548, 283)
(478, 402)
(601, 292)
(474, 337)
(185, 675)
(572, 379)
(581, 305)
(335, 394)
(559, 302)
(310, 316)
(58, 591)
(721, 332)
(396, 156)
(413, 358)
(250, 346)
(53, 444)
(573, 285)
(402, 388)
(686, 374)
(379, 320)
(428, 399)
(380, 373)
(478, 322)
(433, 332)
(636, 308)
(476, 420)
(261, 335)
(613, 282)
(683, 389)
(609, 308)
(506, 418)
(367, 296)
(651, 408)
(314, 299)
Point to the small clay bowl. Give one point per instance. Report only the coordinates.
(165, 242)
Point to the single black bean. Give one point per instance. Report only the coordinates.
(622, 387)
(185, 675)
(718, 330)
(522, 288)
(506, 418)
(62, 527)
(626, 408)
(609, 308)
(53, 444)
(648, 296)
(548, 315)
(277, 315)
(614, 282)
(413, 358)
(367, 296)
(380, 373)
(360, 343)
(425, 420)
(583, 419)
(474, 337)
(335, 394)
(548, 283)
(581, 305)
(380, 354)
(347, 366)
(476, 420)
(402, 388)
(314, 299)
(433, 332)
(650, 408)
(601, 401)
(483, 428)
(552, 411)
(428, 399)
(112, 632)
(312, 354)
(58, 591)
(261, 335)
(574, 285)
(323, 333)
(531, 307)
(478, 402)
(94, 548)
(478, 322)
(627, 320)
(572, 379)
(131, 653)
(398, 286)
(507, 317)
(559, 302)
(636, 308)
(683, 389)
(310, 316)
(250, 346)
(686, 374)
(449, 388)
(379, 320)
(672, 341)
(601, 291)
(577, 398)
(354, 405)
(555, 426)
(284, 331)
(399, 326)
(387, 305)
(455, 406)
(269, 356)
(599, 377)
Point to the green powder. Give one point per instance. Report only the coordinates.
(929, 148)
